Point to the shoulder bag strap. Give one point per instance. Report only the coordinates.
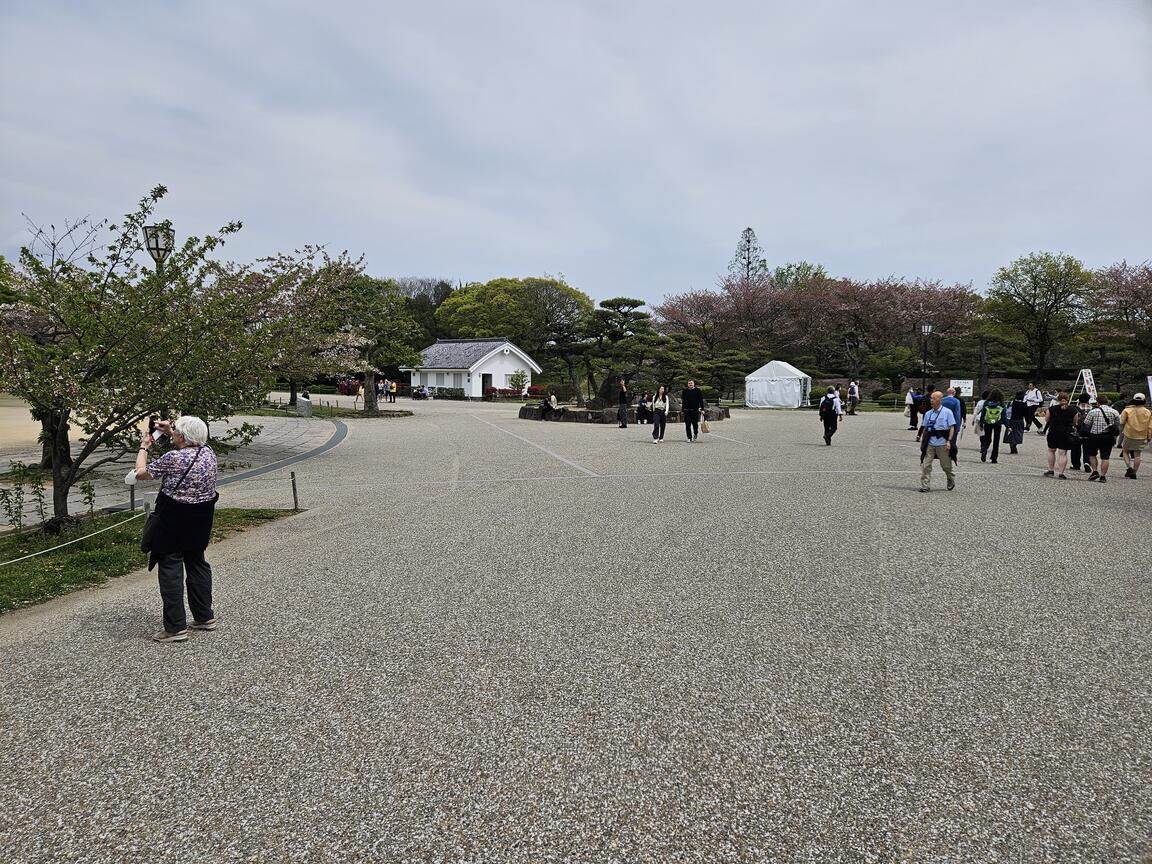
(184, 476)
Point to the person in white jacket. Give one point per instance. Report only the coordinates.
(659, 408)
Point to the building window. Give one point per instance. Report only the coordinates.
(458, 379)
(439, 379)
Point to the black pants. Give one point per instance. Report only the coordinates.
(1076, 452)
(691, 423)
(622, 416)
(830, 424)
(990, 435)
(659, 423)
(1030, 418)
(172, 568)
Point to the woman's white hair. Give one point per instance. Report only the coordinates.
(194, 430)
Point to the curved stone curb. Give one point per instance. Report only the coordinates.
(339, 435)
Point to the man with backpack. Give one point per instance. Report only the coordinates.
(955, 404)
(830, 413)
(1033, 399)
(991, 422)
(936, 442)
(1098, 431)
(853, 397)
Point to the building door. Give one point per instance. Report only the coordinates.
(485, 383)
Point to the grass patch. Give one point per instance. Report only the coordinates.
(96, 559)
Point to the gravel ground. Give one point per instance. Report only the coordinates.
(752, 648)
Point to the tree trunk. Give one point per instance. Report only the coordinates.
(371, 406)
(61, 464)
(291, 393)
(49, 422)
(574, 379)
(984, 374)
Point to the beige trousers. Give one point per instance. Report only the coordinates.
(934, 451)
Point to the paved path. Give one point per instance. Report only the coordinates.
(491, 640)
(281, 439)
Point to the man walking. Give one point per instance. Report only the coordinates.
(939, 425)
(1135, 429)
(1099, 428)
(691, 405)
(622, 411)
(1033, 399)
(853, 397)
(830, 412)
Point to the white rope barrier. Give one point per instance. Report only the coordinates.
(70, 542)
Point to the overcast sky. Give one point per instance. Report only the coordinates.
(623, 144)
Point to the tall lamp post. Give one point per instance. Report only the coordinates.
(159, 240)
(925, 332)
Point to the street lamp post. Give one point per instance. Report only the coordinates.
(159, 240)
(925, 332)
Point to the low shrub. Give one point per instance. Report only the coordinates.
(448, 392)
(888, 398)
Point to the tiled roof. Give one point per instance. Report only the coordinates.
(458, 353)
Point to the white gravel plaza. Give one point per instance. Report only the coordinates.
(493, 640)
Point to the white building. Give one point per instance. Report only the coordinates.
(472, 365)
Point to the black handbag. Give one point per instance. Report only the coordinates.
(152, 523)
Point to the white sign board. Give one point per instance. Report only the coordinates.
(1150, 387)
(964, 386)
(1089, 382)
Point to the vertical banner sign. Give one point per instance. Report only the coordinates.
(1089, 382)
(1150, 388)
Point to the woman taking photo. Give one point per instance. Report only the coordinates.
(1058, 427)
(659, 414)
(181, 525)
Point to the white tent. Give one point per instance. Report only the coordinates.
(777, 385)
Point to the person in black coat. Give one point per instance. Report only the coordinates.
(178, 531)
(691, 406)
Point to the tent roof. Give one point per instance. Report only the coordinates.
(776, 369)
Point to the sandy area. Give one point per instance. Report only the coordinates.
(17, 428)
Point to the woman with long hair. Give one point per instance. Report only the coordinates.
(1018, 417)
(1058, 427)
(659, 407)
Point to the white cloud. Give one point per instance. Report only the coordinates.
(623, 144)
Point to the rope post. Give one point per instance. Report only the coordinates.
(132, 498)
(295, 497)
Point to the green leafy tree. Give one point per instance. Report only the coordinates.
(423, 298)
(8, 282)
(376, 330)
(532, 312)
(104, 342)
(307, 306)
(621, 339)
(1038, 299)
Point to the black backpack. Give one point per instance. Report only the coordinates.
(827, 407)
